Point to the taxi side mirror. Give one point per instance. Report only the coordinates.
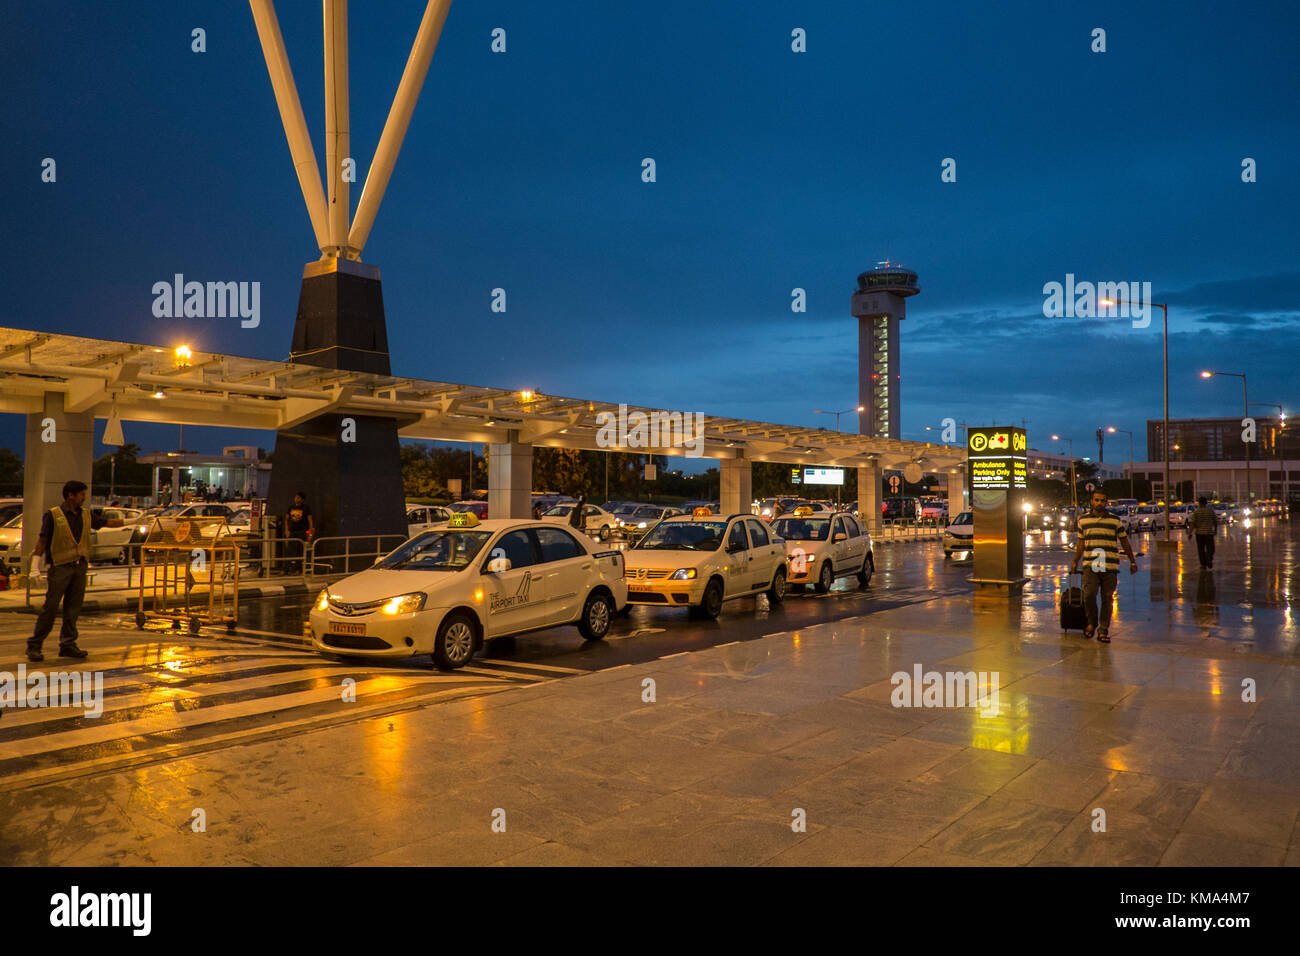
(497, 565)
(841, 536)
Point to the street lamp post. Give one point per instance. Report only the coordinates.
(1245, 411)
(1074, 482)
(1112, 429)
(1281, 424)
(859, 409)
(1164, 309)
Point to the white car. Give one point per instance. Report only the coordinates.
(448, 591)
(107, 543)
(420, 518)
(595, 521)
(1150, 518)
(821, 547)
(1178, 515)
(960, 534)
(701, 560)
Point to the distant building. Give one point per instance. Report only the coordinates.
(879, 305)
(1209, 453)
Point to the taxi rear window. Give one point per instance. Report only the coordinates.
(802, 529)
(684, 536)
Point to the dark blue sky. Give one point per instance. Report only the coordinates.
(775, 170)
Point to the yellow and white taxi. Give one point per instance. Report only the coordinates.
(823, 545)
(701, 560)
(447, 591)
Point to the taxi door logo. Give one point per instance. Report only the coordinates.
(518, 599)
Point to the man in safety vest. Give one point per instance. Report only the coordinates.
(65, 532)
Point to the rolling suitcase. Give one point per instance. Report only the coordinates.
(1073, 616)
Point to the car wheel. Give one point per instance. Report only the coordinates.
(868, 569)
(596, 615)
(454, 645)
(139, 620)
(776, 593)
(711, 603)
(194, 625)
(604, 532)
(826, 578)
(120, 557)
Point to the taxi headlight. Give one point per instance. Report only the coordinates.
(405, 603)
(323, 599)
(682, 574)
(641, 524)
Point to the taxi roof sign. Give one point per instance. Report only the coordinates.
(463, 519)
(702, 511)
(803, 511)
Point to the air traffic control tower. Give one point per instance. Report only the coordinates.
(878, 305)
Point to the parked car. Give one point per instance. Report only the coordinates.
(902, 508)
(700, 561)
(823, 546)
(448, 591)
(595, 521)
(1150, 518)
(423, 517)
(960, 534)
(479, 508)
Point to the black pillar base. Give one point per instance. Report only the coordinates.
(353, 487)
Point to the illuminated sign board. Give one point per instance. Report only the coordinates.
(996, 458)
(823, 476)
(796, 476)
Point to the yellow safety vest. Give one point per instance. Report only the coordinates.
(64, 548)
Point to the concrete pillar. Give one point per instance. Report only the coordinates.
(60, 446)
(956, 493)
(870, 494)
(510, 480)
(736, 486)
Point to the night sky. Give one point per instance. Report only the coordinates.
(775, 170)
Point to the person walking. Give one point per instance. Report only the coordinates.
(1101, 535)
(575, 516)
(65, 536)
(1203, 523)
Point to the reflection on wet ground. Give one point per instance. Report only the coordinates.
(1184, 732)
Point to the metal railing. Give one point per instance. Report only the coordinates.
(268, 559)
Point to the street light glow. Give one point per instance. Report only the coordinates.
(1206, 374)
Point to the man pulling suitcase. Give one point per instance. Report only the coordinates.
(1100, 536)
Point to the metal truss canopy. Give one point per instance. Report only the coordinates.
(150, 384)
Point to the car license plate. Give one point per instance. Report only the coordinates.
(639, 587)
(352, 630)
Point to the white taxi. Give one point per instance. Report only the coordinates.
(447, 591)
(701, 560)
(822, 546)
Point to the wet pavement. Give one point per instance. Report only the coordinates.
(770, 737)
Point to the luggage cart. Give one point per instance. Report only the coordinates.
(189, 573)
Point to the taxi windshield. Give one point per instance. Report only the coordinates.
(684, 536)
(437, 551)
(802, 529)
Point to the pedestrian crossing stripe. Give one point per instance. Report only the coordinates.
(161, 702)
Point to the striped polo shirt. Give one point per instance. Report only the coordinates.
(1204, 520)
(1102, 532)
